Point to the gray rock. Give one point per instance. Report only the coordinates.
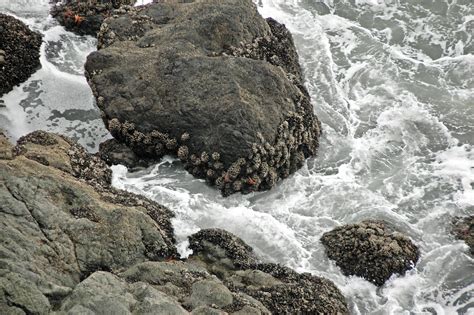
(278, 288)
(6, 148)
(19, 52)
(72, 244)
(370, 250)
(211, 82)
(59, 223)
(105, 293)
(192, 285)
(206, 292)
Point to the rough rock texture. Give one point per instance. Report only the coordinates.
(85, 17)
(60, 222)
(370, 250)
(280, 289)
(221, 250)
(211, 82)
(19, 52)
(464, 230)
(71, 244)
(114, 152)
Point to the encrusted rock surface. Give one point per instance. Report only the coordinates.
(114, 152)
(464, 230)
(370, 250)
(85, 17)
(72, 244)
(280, 289)
(19, 52)
(60, 222)
(211, 82)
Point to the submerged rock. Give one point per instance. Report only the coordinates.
(464, 230)
(280, 289)
(19, 52)
(370, 250)
(85, 17)
(211, 82)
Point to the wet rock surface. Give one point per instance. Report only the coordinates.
(114, 152)
(85, 17)
(464, 230)
(370, 250)
(210, 82)
(19, 52)
(280, 289)
(73, 244)
(61, 222)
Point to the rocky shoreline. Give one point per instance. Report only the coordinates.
(214, 84)
(73, 244)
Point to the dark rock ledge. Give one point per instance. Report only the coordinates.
(72, 244)
(19, 52)
(370, 250)
(85, 17)
(210, 82)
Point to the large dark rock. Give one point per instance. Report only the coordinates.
(280, 289)
(464, 230)
(211, 82)
(19, 52)
(370, 250)
(85, 17)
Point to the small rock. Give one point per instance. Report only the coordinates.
(370, 250)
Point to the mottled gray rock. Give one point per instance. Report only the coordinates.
(191, 285)
(206, 292)
(105, 293)
(6, 148)
(211, 82)
(280, 289)
(370, 250)
(19, 52)
(59, 224)
(464, 230)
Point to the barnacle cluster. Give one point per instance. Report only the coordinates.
(296, 139)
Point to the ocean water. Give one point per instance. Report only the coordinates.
(393, 84)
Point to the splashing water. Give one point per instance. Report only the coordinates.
(57, 97)
(392, 84)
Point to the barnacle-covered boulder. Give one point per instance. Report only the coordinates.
(19, 52)
(370, 250)
(85, 17)
(211, 82)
